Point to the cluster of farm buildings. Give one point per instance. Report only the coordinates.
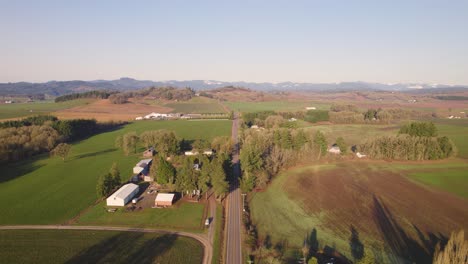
(162, 116)
(141, 172)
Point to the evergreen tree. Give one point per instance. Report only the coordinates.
(104, 185)
(340, 142)
(165, 172)
(115, 174)
(321, 142)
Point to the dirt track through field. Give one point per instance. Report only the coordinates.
(408, 217)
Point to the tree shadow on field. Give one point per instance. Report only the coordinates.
(404, 249)
(124, 248)
(93, 154)
(18, 169)
(355, 244)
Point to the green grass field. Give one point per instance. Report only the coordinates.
(450, 176)
(217, 237)
(80, 246)
(197, 105)
(47, 190)
(280, 106)
(189, 217)
(36, 108)
(457, 131)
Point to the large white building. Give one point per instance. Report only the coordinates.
(123, 195)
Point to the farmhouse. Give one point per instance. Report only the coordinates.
(9, 101)
(334, 149)
(164, 199)
(123, 195)
(142, 165)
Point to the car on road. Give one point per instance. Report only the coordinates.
(207, 222)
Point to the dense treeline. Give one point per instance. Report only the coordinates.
(419, 129)
(406, 147)
(164, 93)
(33, 135)
(166, 143)
(90, 94)
(350, 114)
(29, 121)
(251, 118)
(417, 141)
(452, 97)
(21, 142)
(265, 153)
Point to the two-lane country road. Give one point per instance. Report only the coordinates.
(234, 207)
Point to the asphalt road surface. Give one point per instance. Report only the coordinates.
(234, 206)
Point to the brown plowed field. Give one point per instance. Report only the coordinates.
(104, 110)
(409, 218)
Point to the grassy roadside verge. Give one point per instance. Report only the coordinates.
(217, 243)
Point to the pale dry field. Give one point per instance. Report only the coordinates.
(103, 110)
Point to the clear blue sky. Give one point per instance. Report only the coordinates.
(307, 41)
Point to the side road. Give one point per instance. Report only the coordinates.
(207, 245)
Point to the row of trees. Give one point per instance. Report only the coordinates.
(90, 94)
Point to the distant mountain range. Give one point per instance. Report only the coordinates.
(56, 88)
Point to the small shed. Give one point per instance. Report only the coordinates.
(191, 153)
(149, 153)
(123, 195)
(164, 199)
(360, 155)
(208, 152)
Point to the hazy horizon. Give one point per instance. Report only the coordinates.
(318, 42)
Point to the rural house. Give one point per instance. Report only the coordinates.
(123, 195)
(164, 199)
(334, 149)
(142, 165)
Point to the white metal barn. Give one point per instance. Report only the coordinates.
(123, 195)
